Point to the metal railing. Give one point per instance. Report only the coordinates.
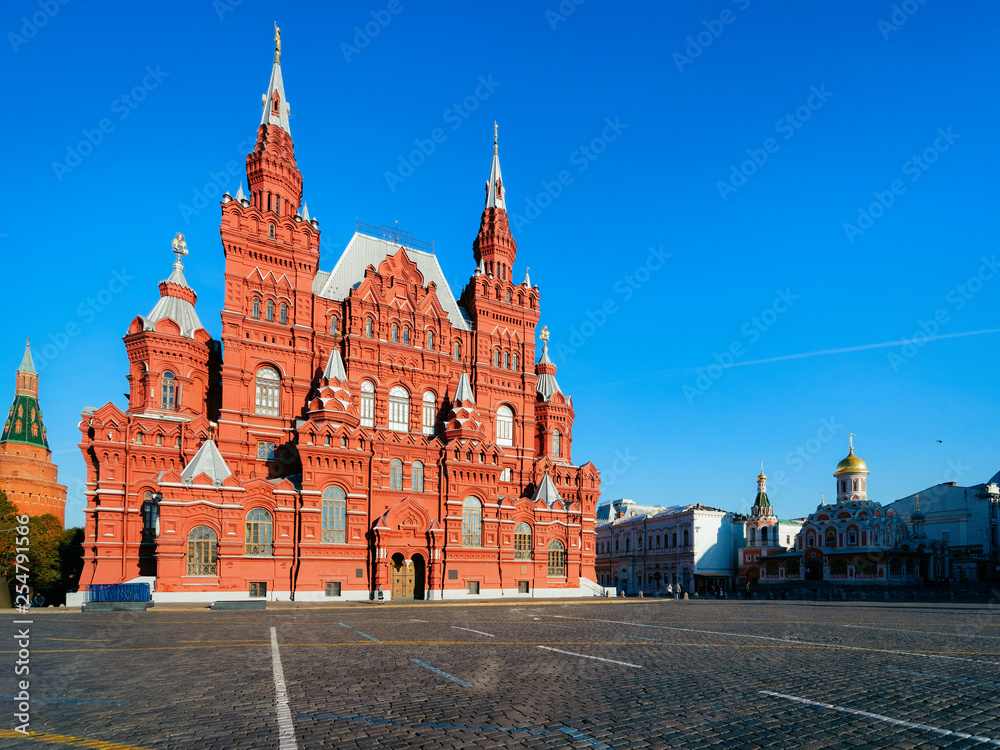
(118, 592)
(394, 233)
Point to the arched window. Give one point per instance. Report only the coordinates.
(831, 538)
(395, 333)
(270, 227)
(506, 361)
(406, 334)
(270, 310)
(556, 444)
(396, 474)
(334, 325)
(522, 541)
(557, 558)
(508, 295)
(753, 536)
(430, 413)
(855, 485)
(417, 477)
(268, 389)
(399, 409)
(763, 536)
(334, 516)
(628, 544)
(258, 537)
(430, 339)
(367, 404)
(514, 362)
(168, 390)
(505, 426)
(202, 553)
(256, 308)
(283, 313)
(496, 358)
(673, 538)
(852, 537)
(687, 538)
(472, 523)
(368, 328)
(457, 349)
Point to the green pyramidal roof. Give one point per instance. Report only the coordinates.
(24, 423)
(27, 363)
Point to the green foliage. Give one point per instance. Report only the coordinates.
(71, 558)
(8, 536)
(43, 559)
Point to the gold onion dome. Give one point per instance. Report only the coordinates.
(851, 465)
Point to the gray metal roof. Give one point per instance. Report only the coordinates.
(463, 391)
(281, 119)
(209, 461)
(335, 367)
(178, 310)
(546, 491)
(363, 251)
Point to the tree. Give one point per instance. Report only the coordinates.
(46, 535)
(8, 536)
(71, 558)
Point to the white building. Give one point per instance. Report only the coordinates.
(645, 548)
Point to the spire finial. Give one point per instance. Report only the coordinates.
(851, 439)
(761, 467)
(918, 501)
(180, 249)
(277, 43)
(496, 129)
(822, 498)
(544, 335)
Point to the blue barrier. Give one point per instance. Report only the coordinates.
(118, 592)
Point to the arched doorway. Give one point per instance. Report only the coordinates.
(419, 576)
(407, 577)
(814, 571)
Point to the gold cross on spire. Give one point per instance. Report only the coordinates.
(277, 43)
(544, 335)
(851, 439)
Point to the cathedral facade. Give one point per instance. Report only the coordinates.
(364, 431)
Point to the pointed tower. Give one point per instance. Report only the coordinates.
(494, 245)
(273, 177)
(852, 477)
(27, 474)
(334, 402)
(464, 421)
(272, 257)
(173, 361)
(553, 409)
(762, 526)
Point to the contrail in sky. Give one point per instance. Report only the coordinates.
(822, 352)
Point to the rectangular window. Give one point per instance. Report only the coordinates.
(334, 521)
(522, 587)
(453, 575)
(505, 475)
(428, 417)
(367, 409)
(472, 587)
(359, 572)
(333, 589)
(946, 537)
(265, 450)
(258, 588)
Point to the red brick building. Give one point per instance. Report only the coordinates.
(27, 474)
(363, 429)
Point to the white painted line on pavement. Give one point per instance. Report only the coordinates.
(470, 630)
(889, 719)
(922, 632)
(463, 683)
(596, 658)
(286, 730)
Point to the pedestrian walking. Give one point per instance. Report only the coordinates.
(670, 591)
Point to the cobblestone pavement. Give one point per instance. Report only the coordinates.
(669, 674)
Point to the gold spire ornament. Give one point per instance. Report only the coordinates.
(544, 335)
(180, 246)
(277, 43)
(495, 131)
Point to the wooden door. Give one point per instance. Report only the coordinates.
(410, 578)
(398, 582)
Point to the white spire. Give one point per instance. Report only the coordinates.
(239, 193)
(495, 193)
(270, 116)
(527, 279)
(480, 268)
(335, 367)
(305, 211)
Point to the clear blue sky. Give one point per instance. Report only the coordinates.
(760, 264)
